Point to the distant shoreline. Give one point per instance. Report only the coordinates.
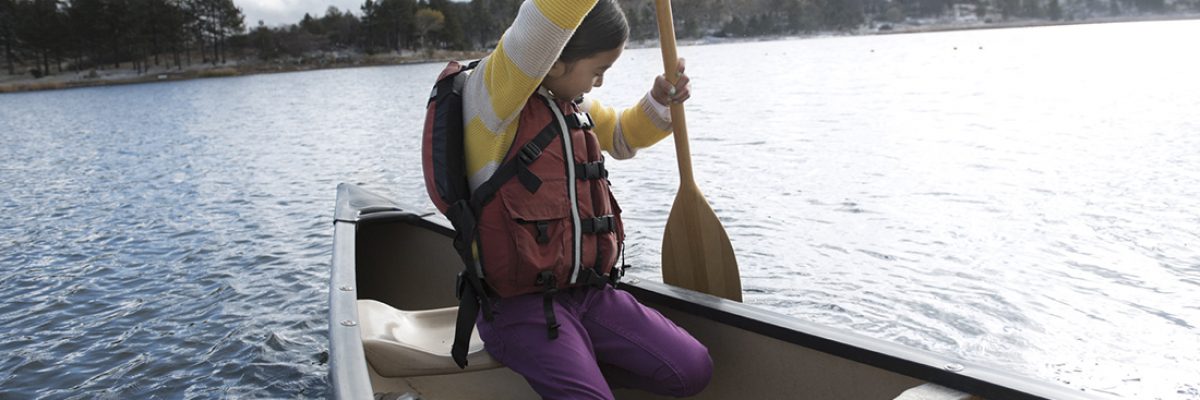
(914, 28)
(123, 76)
(1033, 23)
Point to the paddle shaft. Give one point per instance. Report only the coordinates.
(666, 32)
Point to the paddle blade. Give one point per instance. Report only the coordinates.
(696, 252)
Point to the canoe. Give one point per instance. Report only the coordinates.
(392, 313)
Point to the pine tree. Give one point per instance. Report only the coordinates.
(8, 33)
(1054, 10)
(428, 22)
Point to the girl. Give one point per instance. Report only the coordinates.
(549, 241)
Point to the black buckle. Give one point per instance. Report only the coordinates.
(543, 228)
(547, 280)
(580, 120)
(616, 273)
(529, 153)
(592, 170)
(598, 224)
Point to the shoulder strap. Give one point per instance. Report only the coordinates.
(516, 166)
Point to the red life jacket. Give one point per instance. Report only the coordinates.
(556, 225)
(544, 220)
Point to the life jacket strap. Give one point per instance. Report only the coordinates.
(468, 309)
(516, 166)
(463, 218)
(550, 284)
(469, 288)
(618, 272)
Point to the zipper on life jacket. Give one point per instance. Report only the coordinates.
(577, 238)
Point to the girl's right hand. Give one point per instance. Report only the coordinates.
(664, 93)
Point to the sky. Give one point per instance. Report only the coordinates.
(282, 12)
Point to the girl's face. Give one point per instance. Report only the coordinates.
(571, 80)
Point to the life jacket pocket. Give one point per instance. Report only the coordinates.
(539, 224)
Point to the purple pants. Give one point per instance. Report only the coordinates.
(602, 329)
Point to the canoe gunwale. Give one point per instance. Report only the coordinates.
(348, 374)
(978, 380)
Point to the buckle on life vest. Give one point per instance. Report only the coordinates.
(603, 224)
(579, 120)
(543, 231)
(616, 273)
(591, 171)
(529, 153)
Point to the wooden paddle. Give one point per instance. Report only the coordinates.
(696, 252)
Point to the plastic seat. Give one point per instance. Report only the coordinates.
(400, 343)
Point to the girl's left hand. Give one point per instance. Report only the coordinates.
(664, 93)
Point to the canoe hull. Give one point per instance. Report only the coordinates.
(384, 252)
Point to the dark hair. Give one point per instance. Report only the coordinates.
(603, 29)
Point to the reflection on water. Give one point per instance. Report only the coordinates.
(1021, 198)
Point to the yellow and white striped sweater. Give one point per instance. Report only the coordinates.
(498, 89)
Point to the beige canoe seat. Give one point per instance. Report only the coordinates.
(931, 391)
(401, 343)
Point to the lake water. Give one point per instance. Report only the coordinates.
(1025, 198)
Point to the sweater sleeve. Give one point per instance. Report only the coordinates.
(504, 80)
(622, 132)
